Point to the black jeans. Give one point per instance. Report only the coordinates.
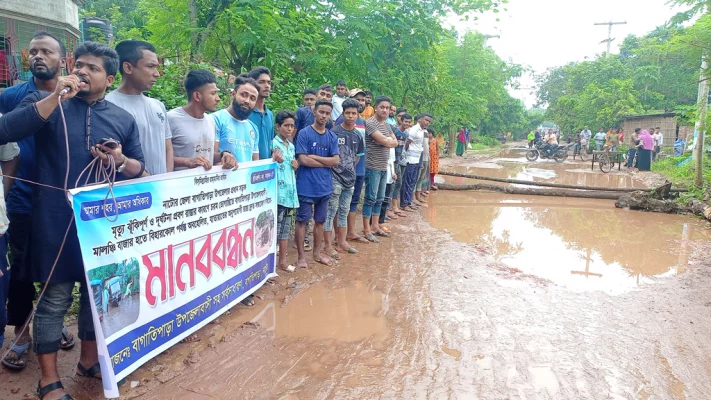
(21, 293)
(386, 201)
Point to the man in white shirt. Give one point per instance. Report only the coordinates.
(413, 150)
(338, 99)
(138, 65)
(658, 141)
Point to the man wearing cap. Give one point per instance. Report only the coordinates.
(352, 234)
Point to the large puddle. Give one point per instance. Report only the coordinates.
(577, 243)
(569, 174)
(349, 314)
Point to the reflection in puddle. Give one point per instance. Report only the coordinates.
(348, 314)
(577, 243)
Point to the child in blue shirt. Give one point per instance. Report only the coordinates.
(287, 199)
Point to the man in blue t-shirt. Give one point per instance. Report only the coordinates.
(237, 135)
(47, 60)
(305, 115)
(317, 151)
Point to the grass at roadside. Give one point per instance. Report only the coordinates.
(682, 174)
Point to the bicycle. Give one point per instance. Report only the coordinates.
(607, 163)
(581, 149)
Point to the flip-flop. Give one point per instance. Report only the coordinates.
(305, 265)
(382, 234)
(248, 301)
(351, 250)
(324, 260)
(290, 268)
(67, 342)
(334, 255)
(45, 390)
(359, 239)
(18, 364)
(385, 229)
(194, 338)
(89, 372)
(371, 238)
(400, 214)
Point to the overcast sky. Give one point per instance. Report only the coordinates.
(547, 33)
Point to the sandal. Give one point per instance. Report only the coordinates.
(43, 391)
(382, 234)
(194, 338)
(385, 229)
(248, 301)
(17, 364)
(67, 342)
(334, 255)
(324, 260)
(359, 239)
(372, 238)
(89, 373)
(290, 268)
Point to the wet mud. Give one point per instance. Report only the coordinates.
(478, 296)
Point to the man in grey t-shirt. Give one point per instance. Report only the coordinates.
(138, 64)
(193, 131)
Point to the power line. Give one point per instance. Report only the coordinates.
(609, 33)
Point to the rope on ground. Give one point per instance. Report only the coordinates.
(546, 184)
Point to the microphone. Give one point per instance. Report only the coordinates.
(64, 91)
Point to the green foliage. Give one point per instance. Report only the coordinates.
(682, 175)
(652, 73)
(390, 47)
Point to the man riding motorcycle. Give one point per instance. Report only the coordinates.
(551, 143)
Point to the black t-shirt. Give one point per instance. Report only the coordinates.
(350, 145)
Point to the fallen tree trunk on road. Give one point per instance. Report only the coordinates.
(534, 191)
(645, 201)
(545, 184)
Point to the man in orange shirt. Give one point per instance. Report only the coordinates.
(369, 110)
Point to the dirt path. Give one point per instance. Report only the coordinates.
(441, 313)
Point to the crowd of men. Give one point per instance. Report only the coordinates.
(328, 152)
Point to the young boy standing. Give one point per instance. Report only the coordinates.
(287, 199)
(317, 151)
(351, 148)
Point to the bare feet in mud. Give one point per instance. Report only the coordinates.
(301, 263)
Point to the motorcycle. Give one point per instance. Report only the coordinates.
(559, 154)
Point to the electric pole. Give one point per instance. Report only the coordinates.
(609, 33)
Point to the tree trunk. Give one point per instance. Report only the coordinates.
(194, 34)
(452, 141)
(645, 201)
(544, 184)
(534, 191)
(702, 104)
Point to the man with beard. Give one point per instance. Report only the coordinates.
(139, 72)
(89, 119)
(47, 60)
(193, 132)
(261, 116)
(236, 134)
(391, 117)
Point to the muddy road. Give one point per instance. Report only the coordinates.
(478, 296)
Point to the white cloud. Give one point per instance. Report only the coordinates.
(548, 33)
